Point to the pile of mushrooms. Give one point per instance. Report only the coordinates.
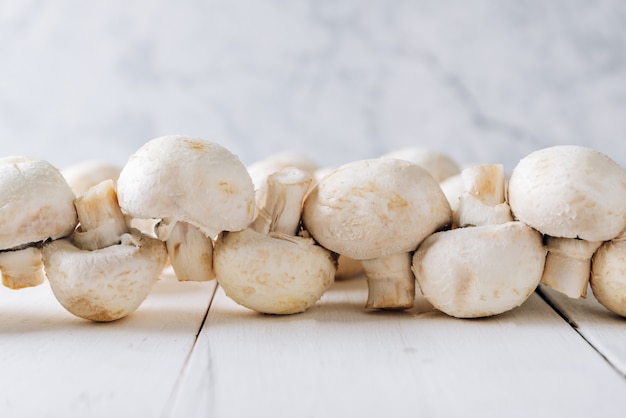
(272, 233)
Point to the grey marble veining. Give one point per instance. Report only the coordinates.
(485, 81)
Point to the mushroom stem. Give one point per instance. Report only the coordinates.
(568, 265)
(390, 282)
(21, 268)
(283, 205)
(190, 252)
(101, 220)
(482, 202)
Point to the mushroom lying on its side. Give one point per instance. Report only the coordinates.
(378, 211)
(103, 272)
(267, 268)
(575, 196)
(36, 204)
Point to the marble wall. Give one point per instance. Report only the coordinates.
(484, 81)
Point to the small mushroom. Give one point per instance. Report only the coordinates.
(608, 275)
(575, 196)
(84, 175)
(378, 211)
(480, 271)
(483, 199)
(262, 169)
(103, 272)
(439, 165)
(36, 204)
(196, 189)
(266, 267)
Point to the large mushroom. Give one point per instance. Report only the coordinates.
(196, 189)
(36, 204)
(103, 271)
(378, 211)
(576, 197)
(489, 264)
(267, 267)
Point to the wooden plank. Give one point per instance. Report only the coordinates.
(336, 360)
(603, 329)
(54, 364)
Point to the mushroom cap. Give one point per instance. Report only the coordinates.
(272, 275)
(608, 276)
(190, 180)
(106, 284)
(36, 203)
(570, 191)
(480, 271)
(440, 166)
(374, 208)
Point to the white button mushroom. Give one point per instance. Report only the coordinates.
(577, 197)
(197, 189)
(84, 175)
(102, 272)
(266, 267)
(378, 209)
(36, 204)
(480, 271)
(608, 275)
(439, 165)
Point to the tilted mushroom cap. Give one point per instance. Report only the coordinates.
(36, 203)
(105, 284)
(272, 275)
(439, 165)
(190, 180)
(375, 208)
(571, 192)
(480, 271)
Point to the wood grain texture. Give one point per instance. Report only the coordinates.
(603, 329)
(337, 360)
(56, 365)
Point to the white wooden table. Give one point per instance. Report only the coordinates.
(190, 351)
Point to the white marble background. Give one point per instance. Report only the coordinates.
(485, 81)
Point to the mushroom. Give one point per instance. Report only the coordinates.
(266, 267)
(480, 271)
(378, 211)
(482, 202)
(608, 275)
(261, 170)
(36, 204)
(439, 165)
(103, 271)
(196, 188)
(486, 266)
(84, 175)
(576, 196)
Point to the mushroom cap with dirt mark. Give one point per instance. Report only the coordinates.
(188, 180)
(105, 284)
(374, 208)
(275, 273)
